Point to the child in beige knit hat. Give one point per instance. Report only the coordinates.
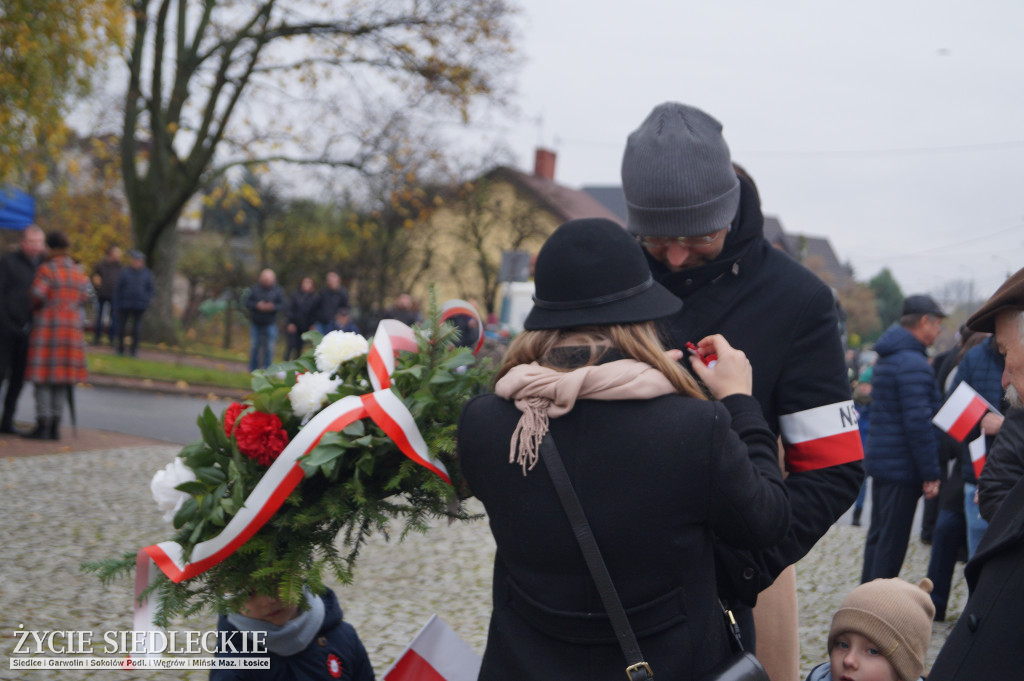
(880, 633)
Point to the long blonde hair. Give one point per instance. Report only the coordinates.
(637, 341)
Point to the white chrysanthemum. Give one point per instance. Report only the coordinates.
(310, 392)
(168, 499)
(337, 347)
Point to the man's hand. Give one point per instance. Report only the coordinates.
(991, 423)
(930, 489)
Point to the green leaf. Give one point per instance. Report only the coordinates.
(211, 475)
(320, 455)
(355, 429)
(441, 378)
(260, 382)
(210, 427)
(193, 487)
(186, 513)
(197, 454)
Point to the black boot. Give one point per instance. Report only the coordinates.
(856, 516)
(7, 424)
(42, 429)
(54, 431)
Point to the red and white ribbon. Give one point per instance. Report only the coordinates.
(456, 307)
(382, 406)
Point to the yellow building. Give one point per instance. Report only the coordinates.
(504, 215)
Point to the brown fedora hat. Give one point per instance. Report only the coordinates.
(1008, 297)
(592, 271)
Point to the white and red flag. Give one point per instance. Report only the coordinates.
(436, 654)
(977, 450)
(962, 411)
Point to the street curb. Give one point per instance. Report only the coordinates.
(176, 388)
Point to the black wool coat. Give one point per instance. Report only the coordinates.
(784, 318)
(988, 639)
(655, 479)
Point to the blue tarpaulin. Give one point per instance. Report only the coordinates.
(17, 209)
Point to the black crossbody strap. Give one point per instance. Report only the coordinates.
(638, 669)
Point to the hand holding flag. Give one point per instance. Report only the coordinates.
(962, 411)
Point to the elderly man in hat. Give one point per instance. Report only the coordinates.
(702, 231)
(988, 638)
(132, 295)
(902, 454)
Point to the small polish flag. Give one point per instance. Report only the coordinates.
(962, 411)
(436, 654)
(977, 449)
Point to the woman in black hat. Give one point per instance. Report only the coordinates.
(657, 468)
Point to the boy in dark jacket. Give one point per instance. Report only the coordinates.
(303, 645)
(902, 454)
(881, 632)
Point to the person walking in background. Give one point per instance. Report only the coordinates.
(333, 297)
(591, 374)
(703, 235)
(264, 301)
(949, 538)
(862, 403)
(300, 317)
(982, 369)
(902, 455)
(17, 270)
(104, 281)
(134, 291)
(404, 310)
(56, 355)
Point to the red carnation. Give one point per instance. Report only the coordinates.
(261, 437)
(231, 415)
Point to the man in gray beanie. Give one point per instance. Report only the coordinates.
(702, 231)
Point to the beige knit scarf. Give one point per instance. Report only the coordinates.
(542, 393)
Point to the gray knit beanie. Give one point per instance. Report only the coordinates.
(677, 174)
(893, 614)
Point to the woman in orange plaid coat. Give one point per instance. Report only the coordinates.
(56, 354)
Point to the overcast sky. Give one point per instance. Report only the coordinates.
(895, 129)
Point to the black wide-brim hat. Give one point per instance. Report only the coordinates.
(593, 272)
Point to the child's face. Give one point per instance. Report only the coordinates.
(855, 658)
(269, 609)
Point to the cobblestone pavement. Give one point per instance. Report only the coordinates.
(58, 510)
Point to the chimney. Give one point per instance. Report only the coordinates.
(544, 164)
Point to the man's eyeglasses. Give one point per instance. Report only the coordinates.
(656, 242)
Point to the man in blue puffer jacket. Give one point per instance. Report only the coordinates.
(902, 454)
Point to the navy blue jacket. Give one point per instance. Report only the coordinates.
(903, 445)
(134, 288)
(336, 639)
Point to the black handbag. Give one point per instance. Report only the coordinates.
(740, 666)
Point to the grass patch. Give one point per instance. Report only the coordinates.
(116, 365)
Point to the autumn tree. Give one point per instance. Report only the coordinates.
(219, 84)
(50, 51)
(862, 321)
(308, 239)
(84, 199)
(888, 296)
(484, 225)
